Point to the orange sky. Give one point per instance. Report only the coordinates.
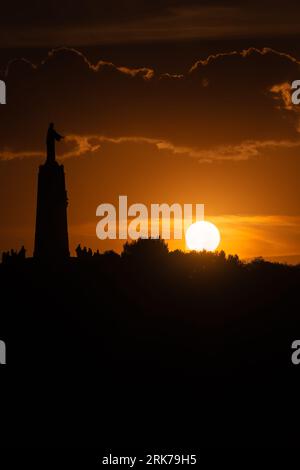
(188, 121)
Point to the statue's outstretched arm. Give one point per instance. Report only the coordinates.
(58, 136)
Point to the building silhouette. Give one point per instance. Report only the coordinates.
(51, 231)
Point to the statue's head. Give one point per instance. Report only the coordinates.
(51, 125)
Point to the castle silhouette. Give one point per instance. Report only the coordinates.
(51, 231)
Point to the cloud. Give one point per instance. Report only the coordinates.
(147, 72)
(272, 235)
(282, 92)
(244, 151)
(144, 72)
(218, 110)
(81, 145)
(244, 53)
(7, 155)
(283, 96)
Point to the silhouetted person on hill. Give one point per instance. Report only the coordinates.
(52, 136)
(84, 251)
(14, 256)
(22, 253)
(78, 251)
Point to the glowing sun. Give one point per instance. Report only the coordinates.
(202, 236)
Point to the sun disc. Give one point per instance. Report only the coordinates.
(202, 235)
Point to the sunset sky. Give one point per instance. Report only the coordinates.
(173, 101)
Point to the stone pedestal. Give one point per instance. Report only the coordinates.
(51, 232)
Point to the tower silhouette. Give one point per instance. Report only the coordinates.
(51, 230)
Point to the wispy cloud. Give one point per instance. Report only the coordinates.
(244, 53)
(6, 155)
(254, 235)
(148, 73)
(282, 94)
(80, 145)
(244, 151)
(145, 72)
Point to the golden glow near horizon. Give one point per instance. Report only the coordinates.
(202, 235)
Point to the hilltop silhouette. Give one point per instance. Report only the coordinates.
(166, 324)
(148, 347)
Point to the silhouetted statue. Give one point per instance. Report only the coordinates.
(52, 136)
(51, 233)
